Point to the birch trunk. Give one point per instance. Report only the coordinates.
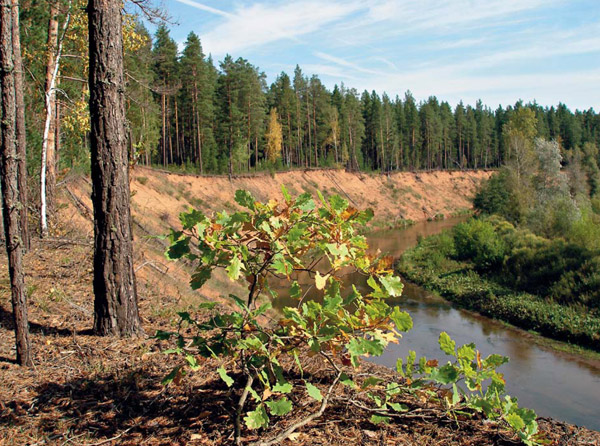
(48, 165)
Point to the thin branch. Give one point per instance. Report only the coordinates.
(76, 79)
(153, 14)
(290, 430)
(240, 408)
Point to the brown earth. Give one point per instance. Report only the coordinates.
(86, 390)
(160, 196)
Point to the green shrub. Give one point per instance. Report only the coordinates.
(478, 241)
(497, 196)
(276, 241)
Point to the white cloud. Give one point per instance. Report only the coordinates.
(496, 50)
(204, 7)
(452, 86)
(456, 44)
(435, 14)
(344, 63)
(335, 72)
(387, 19)
(386, 61)
(264, 23)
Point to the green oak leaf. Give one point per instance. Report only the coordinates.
(282, 388)
(313, 391)
(245, 199)
(224, 376)
(445, 375)
(446, 344)
(257, 418)
(392, 284)
(362, 346)
(280, 407)
(178, 248)
(190, 219)
(200, 277)
(378, 419)
(338, 204)
(515, 421)
(401, 319)
(295, 290)
(234, 270)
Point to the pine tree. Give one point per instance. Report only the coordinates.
(9, 180)
(282, 96)
(115, 304)
(143, 113)
(166, 70)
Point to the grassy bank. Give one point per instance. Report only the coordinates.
(430, 264)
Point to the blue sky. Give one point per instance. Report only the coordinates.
(495, 50)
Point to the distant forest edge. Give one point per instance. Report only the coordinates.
(185, 113)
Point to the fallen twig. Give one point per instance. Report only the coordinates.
(290, 430)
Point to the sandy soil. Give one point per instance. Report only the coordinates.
(159, 196)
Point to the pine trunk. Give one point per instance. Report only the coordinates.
(115, 304)
(20, 128)
(177, 146)
(9, 181)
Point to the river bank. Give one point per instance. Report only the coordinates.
(458, 282)
(87, 390)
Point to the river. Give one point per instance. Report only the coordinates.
(564, 386)
(560, 385)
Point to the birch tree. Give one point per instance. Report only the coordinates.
(48, 166)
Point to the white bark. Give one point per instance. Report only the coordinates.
(50, 93)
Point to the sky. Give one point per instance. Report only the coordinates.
(498, 51)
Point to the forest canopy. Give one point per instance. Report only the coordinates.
(187, 111)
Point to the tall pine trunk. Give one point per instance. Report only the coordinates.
(177, 146)
(20, 128)
(115, 304)
(9, 182)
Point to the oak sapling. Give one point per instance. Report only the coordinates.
(279, 240)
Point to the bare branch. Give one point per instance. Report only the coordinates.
(154, 14)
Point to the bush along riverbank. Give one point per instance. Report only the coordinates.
(493, 268)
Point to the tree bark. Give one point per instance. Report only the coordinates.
(164, 130)
(177, 146)
(20, 127)
(48, 174)
(115, 304)
(9, 181)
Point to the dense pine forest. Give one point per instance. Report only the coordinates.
(187, 111)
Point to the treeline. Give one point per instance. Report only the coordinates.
(217, 119)
(184, 111)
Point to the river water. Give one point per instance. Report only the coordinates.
(560, 385)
